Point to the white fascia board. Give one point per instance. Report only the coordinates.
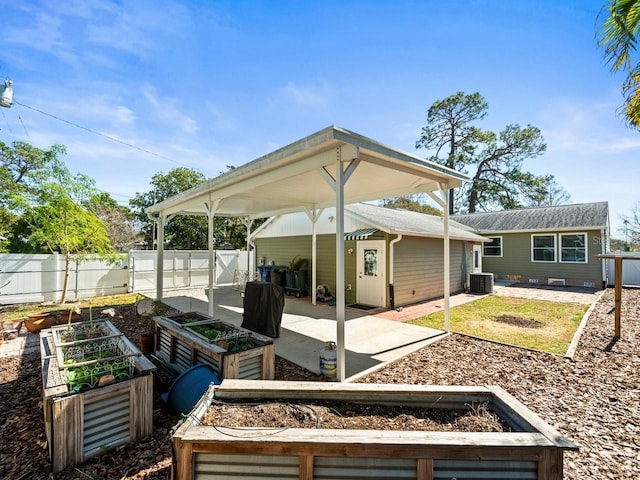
(536, 230)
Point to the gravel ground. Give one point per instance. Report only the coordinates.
(594, 400)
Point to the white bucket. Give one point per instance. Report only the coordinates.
(329, 360)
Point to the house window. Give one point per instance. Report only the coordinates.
(543, 248)
(492, 248)
(573, 247)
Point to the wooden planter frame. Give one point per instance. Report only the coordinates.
(80, 425)
(180, 348)
(534, 450)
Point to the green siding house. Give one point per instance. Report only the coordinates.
(549, 245)
(392, 257)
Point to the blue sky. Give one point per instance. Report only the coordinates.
(206, 84)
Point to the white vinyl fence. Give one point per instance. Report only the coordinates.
(630, 271)
(31, 278)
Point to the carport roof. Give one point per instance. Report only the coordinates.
(299, 177)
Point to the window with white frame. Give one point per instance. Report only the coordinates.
(573, 247)
(492, 248)
(543, 248)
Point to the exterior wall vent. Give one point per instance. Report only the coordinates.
(533, 280)
(556, 281)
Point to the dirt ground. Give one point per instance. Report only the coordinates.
(594, 400)
(341, 415)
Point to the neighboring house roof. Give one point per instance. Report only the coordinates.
(581, 216)
(410, 223)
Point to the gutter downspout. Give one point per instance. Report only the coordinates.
(392, 302)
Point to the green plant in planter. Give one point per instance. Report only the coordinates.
(69, 334)
(298, 263)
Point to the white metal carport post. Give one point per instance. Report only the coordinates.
(340, 354)
(443, 201)
(160, 258)
(211, 215)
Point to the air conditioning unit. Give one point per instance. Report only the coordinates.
(481, 282)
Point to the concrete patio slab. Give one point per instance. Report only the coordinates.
(371, 341)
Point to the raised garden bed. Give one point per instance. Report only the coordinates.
(97, 392)
(525, 448)
(183, 340)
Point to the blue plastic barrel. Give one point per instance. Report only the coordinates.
(188, 387)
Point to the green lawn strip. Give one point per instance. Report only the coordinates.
(98, 304)
(536, 324)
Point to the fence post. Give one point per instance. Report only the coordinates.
(77, 275)
(132, 272)
(57, 275)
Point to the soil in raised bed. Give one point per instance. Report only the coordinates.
(342, 415)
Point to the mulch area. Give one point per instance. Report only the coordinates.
(594, 400)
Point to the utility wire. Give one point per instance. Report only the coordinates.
(103, 135)
(7, 122)
(25, 128)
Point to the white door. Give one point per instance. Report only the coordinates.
(371, 267)
(477, 258)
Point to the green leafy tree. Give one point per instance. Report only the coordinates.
(555, 194)
(23, 170)
(498, 181)
(182, 231)
(21, 174)
(449, 132)
(493, 161)
(618, 37)
(412, 203)
(57, 221)
(120, 220)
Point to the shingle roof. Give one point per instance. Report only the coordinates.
(562, 217)
(410, 223)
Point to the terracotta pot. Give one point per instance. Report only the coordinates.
(37, 321)
(147, 343)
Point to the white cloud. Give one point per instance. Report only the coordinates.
(166, 110)
(46, 35)
(81, 30)
(303, 95)
(582, 127)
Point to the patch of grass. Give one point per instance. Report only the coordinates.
(536, 324)
(99, 303)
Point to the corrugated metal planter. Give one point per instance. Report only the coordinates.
(533, 450)
(180, 345)
(89, 419)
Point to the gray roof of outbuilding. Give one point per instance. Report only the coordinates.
(410, 223)
(562, 217)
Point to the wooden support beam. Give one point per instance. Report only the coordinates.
(618, 295)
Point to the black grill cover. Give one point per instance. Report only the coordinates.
(263, 306)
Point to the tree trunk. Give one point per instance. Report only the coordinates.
(473, 198)
(67, 272)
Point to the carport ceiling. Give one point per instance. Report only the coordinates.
(300, 176)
